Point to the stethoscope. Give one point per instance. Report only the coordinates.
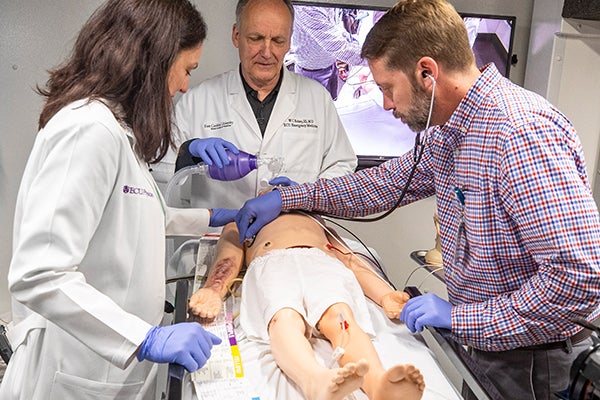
(417, 154)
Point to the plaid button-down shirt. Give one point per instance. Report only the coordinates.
(521, 251)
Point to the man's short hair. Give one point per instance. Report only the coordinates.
(242, 3)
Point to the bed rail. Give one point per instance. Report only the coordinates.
(176, 372)
(441, 343)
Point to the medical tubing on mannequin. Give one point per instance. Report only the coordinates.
(368, 268)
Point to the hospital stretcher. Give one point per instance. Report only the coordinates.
(394, 343)
(188, 262)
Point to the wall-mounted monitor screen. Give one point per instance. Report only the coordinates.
(326, 44)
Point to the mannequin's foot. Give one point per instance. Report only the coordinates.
(337, 383)
(400, 382)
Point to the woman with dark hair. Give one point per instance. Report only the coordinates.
(87, 277)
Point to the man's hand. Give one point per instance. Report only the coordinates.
(282, 181)
(393, 303)
(256, 213)
(212, 150)
(205, 303)
(429, 310)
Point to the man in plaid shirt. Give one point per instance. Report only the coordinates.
(519, 227)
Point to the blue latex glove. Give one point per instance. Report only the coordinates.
(257, 212)
(427, 309)
(222, 216)
(212, 150)
(282, 181)
(186, 344)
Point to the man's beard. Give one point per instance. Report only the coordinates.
(418, 112)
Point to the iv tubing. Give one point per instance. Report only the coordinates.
(369, 269)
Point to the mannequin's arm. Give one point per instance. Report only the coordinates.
(373, 286)
(207, 301)
(392, 301)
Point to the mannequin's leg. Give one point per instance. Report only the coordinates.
(400, 381)
(296, 358)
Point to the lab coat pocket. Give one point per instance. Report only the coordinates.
(70, 387)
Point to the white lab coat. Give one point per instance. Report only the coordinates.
(304, 129)
(87, 273)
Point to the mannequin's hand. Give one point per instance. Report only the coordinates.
(205, 303)
(393, 303)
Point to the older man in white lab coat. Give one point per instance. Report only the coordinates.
(262, 108)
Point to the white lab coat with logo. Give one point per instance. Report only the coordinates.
(87, 273)
(304, 129)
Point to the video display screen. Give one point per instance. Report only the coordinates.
(326, 44)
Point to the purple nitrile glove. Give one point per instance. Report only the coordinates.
(186, 344)
(427, 309)
(282, 181)
(212, 150)
(256, 213)
(222, 216)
